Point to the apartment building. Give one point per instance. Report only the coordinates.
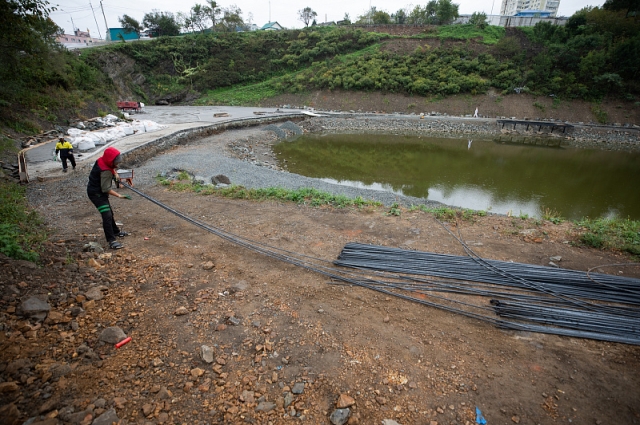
(512, 7)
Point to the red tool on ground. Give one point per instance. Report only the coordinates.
(123, 342)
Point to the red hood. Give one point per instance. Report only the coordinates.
(105, 162)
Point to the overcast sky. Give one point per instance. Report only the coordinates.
(285, 12)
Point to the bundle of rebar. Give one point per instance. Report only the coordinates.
(573, 283)
(525, 296)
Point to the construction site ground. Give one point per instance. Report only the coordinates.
(288, 345)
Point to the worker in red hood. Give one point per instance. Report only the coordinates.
(101, 177)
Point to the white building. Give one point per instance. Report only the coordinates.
(512, 7)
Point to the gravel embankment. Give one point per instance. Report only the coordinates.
(448, 127)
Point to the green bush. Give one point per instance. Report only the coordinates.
(21, 231)
(603, 233)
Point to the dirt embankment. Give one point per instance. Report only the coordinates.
(492, 105)
(283, 344)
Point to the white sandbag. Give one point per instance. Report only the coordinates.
(119, 132)
(110, 117)
(128, 130)
(75, 132)
(84, 144)
(151, 125)
(92, 136)
(138, 127)
(99, 138)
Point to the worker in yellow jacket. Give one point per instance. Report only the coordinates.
(66, 152)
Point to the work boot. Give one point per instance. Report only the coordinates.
(64, 170)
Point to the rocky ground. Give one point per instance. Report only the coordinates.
(221, 334)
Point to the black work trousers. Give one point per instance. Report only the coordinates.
(64, 161)
(101, 201)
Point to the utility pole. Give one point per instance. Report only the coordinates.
(269, 10)
(105, 22)
(94, 18)
(73, 25)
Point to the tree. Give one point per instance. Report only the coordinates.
(374, 16)
(479, 20)
(400, 17)
(161, 23)
(28, 31)
(231, 18)
(446, 12)
(306, 15)
(625, 5)
(436, 12)
(130, 25)
(347, 19)
(380, 17)
(199, 17)
(214, 12)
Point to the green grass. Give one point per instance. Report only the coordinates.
(490, 34)
(601, 115)
(552, 215)
(394, 210)
(448, 213)
(617, 234)
(306, 196)
(239, 95)
(21, 230)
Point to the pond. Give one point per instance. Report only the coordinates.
(478, 174)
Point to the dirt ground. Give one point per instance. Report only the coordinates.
(288, 345)
(492, 104)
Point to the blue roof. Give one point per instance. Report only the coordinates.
(271, 25)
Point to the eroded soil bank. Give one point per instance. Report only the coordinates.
(273, 327)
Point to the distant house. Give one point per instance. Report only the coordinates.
(78, 40)
(117, 34)
(326, 24)
(345, 22)
(272, 26)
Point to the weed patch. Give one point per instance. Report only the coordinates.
(619, 234)
(448, 214)
(306, 196)
(21, 230)
(552, 215)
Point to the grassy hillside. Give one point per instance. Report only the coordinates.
(596, 55)
(580, 61)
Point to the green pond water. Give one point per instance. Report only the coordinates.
(479, 174)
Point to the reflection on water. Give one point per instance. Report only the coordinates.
(482, 175)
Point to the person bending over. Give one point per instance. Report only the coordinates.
(99, 188)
